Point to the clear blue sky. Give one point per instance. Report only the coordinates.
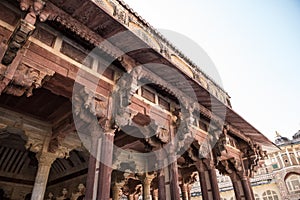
(255, 46)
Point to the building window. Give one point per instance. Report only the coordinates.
(203, 126)
(147, 94)
(293, 184)
(256, 197)
(270, 195)
(164, 104)
(275, 166)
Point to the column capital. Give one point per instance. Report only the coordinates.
(109, 132)
(46, 158)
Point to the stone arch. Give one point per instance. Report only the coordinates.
(292, 181)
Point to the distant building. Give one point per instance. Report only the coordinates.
(277, 179)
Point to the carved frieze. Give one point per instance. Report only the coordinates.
(119, 12)
(25, 79)
(88, 106)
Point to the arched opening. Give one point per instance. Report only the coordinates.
(270, 195)
(67, 178)
(293, 183)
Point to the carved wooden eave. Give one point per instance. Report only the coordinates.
(94, 21)
(237, 155)
(123, 15)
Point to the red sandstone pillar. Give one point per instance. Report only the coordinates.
(214, 183)
(242, 187)
(247, 188)
(161, 185)
(161, 178)
(201, 170)
(105, 170)
(184, 191)
(173, 170)
(91, 176)
(237, 186)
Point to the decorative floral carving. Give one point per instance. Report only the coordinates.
(34, 144)
(87, 105)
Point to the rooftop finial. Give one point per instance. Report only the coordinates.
(277, 134)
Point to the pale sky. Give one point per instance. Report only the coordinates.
(255, 46)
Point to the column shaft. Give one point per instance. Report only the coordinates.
(214, 183)
(40, 183)
(184, 192)
(247, 188)
(175, 193)
(237, 186)
(146, 188)
(41, 179)
(91, 176)
(116, 192)
(105, 169)
(201, 170)
(161, 182)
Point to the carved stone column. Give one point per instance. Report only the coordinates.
(45, 161)
(188, 179)
(173, 170)
(238, 158)
(241, 185)
(161, 178)
(92, 175)
(203, 182)
(105, 169)
(237, 186)
(146, 187)
(184, 191)
(130, 197)
(161, 185)
(155, 194)
(116, 188)
(247, 187)
(214, 183)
